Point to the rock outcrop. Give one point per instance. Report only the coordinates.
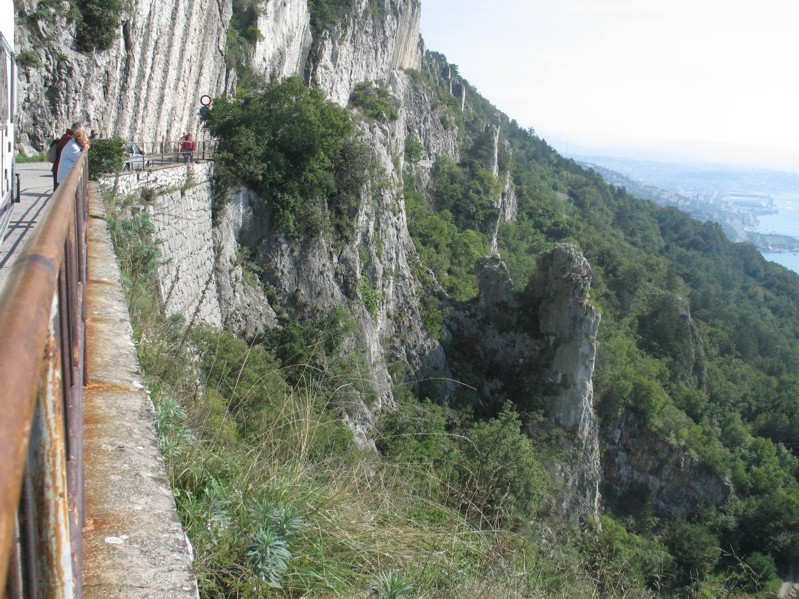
(536, 349)
(375, 40)
(638, 463)
(286, 30)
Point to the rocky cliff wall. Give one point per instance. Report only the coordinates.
(286, 29)
(638, 463)
(146, 88)
(168, 54)
(369, 45)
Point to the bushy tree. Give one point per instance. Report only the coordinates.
(501, 478)
(98, 24)
(106, 156)
(284, 143)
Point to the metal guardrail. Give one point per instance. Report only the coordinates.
(42, 372)
(159, 153)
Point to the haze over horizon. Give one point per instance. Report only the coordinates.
(694, 80)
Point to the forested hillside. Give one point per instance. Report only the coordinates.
(457, 496)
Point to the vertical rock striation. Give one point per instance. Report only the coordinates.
(147, 87)
(286, 29)
(369, 45)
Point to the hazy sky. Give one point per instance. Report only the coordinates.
(633, 72)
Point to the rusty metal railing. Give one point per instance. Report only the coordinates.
(42, 371)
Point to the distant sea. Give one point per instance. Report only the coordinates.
(785, 222)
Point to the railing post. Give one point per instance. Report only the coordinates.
(48, 475)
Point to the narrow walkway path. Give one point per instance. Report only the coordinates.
(36, 185)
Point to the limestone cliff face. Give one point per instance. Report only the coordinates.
(286, 29)
(640, 463)
(537, 350)
(167, 54)
(369, 45)
(309, 277)
(147, 87)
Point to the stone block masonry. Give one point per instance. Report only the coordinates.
(178, 199)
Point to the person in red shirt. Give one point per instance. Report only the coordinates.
(187, 147)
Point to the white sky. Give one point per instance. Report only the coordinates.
(633, 72)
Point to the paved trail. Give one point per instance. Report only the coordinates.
(36, 185)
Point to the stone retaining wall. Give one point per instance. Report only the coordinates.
(178, 199)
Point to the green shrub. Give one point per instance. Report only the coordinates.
(248, 376)
(370, 297)
(758, 573)
(98, 23)
(29, 58)
(695, 549)
(325, 13)
(137, 251)
(375, 102)
(40, 157)
(356, 167)
(270, 556)
(414, 150)
(106, 156)
(49, 10)
(390, 585)
(625, 564)
(501, 479)
(242, 35)
(469, 192)
(416, 434)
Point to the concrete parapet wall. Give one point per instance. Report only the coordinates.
(133, 543)
(158, 179)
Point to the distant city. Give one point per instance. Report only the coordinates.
(736, 198)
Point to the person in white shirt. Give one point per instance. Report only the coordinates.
(71, 152)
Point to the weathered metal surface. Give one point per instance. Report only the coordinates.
(47, 469)
(41, 323)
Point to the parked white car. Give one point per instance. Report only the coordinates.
(136, 160)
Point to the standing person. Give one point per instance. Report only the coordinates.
(187, 147)
(65, 139)
(71, 152)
